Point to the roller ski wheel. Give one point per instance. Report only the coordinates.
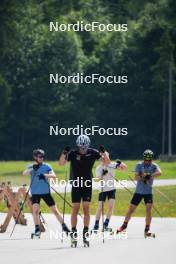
(108, 230)
(74, 243)
(86, 243)
(36, 235)
(74, 240)
(149, 234)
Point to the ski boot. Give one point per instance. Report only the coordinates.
(74, 238)
(122, 228)
(66, 229)
(147, 232)
(37, 233)
(95, 229)
(86, 237)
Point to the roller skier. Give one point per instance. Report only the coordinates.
(106, 173)
(145, 173)
(82, 159)
(40, 189)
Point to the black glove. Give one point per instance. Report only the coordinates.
(118, 162)
(35, 167)
(104, 172)
(147, 177)
(41, 177)
(66, 150)
(102, 149)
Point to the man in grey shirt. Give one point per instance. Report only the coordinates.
(145, 172)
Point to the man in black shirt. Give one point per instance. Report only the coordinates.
(82, 160)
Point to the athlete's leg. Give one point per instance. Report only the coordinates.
(101, 199)
(36, 210)
(74, 215)
(59, 217)
(36, 216)
(56, 212)
(111, 203)
(109, 213)
(129, 213)
(51, 204)
(86, 199)
(98, 216)
(148, 214)
(99, 211)
(86, 210)
(136, 199)
(148, 199)
(76, 195)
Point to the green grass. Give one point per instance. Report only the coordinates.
(167, 209)
(11, 171)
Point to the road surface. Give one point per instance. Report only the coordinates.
(131, 248)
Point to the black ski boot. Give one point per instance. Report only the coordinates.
(95, 229)
(66, 229)
(37, 232)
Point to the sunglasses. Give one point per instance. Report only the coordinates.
(40, 157)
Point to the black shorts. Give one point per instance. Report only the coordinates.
(137, 197)
(46, 197)
(109, 195)
(79, 194)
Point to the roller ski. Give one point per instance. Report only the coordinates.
(74, 238)
(86, 237)
(149, 234)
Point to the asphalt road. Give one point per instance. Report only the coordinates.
(130, 248)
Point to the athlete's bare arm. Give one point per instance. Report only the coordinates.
(26, 172)
(157, 173)
(122, 166)
(137, 176)
(51, 175)
(62, 160)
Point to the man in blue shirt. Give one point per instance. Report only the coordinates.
(145, 172)
(40, 188)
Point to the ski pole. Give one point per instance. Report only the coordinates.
(62, 197)
(102, 210)
(65, 194)
(163, 195)
(42, 218)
